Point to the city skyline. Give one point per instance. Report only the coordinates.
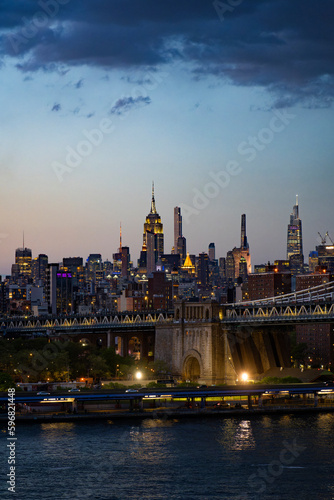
(229, 111)
(168, 250)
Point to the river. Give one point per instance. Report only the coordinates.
(287, 457)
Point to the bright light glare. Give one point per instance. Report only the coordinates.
(139, 375)
(244, 377)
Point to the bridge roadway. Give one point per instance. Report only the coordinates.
(189, 393)
(232, 314)
(315, 304)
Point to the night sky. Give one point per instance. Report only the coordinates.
(226, 105)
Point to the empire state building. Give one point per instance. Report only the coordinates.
(153, 237)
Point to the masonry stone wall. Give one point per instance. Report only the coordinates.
(219, 353)
(163, 349)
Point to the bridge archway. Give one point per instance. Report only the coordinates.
(192, 366)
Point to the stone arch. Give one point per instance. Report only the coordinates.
(192, 366)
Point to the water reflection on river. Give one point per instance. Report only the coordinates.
(264, 457)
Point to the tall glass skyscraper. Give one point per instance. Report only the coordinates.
(23, 259)
(242, 252)
(295, 238)
(177, 226)
(244, 244)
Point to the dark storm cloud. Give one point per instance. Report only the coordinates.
(283, 45)
(56, 107)
(124, 104)
(79, 83)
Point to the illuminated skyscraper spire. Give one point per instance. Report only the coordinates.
(295, 213)
(153, 209)
(153, 237)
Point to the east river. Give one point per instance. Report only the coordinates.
(264, 457)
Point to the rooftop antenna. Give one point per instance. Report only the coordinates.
(153, 209)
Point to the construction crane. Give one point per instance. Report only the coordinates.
(330, 239)
(323, 240)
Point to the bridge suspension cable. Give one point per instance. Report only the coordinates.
(319, 293)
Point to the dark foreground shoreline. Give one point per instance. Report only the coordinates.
(162, 414)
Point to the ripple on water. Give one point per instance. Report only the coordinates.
(214, 459)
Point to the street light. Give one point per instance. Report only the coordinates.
(244, 377)
(139, 375)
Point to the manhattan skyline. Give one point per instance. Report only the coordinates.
(183, 93)
(190, 211)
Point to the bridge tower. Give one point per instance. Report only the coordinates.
(199, 346)
(194, 345)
